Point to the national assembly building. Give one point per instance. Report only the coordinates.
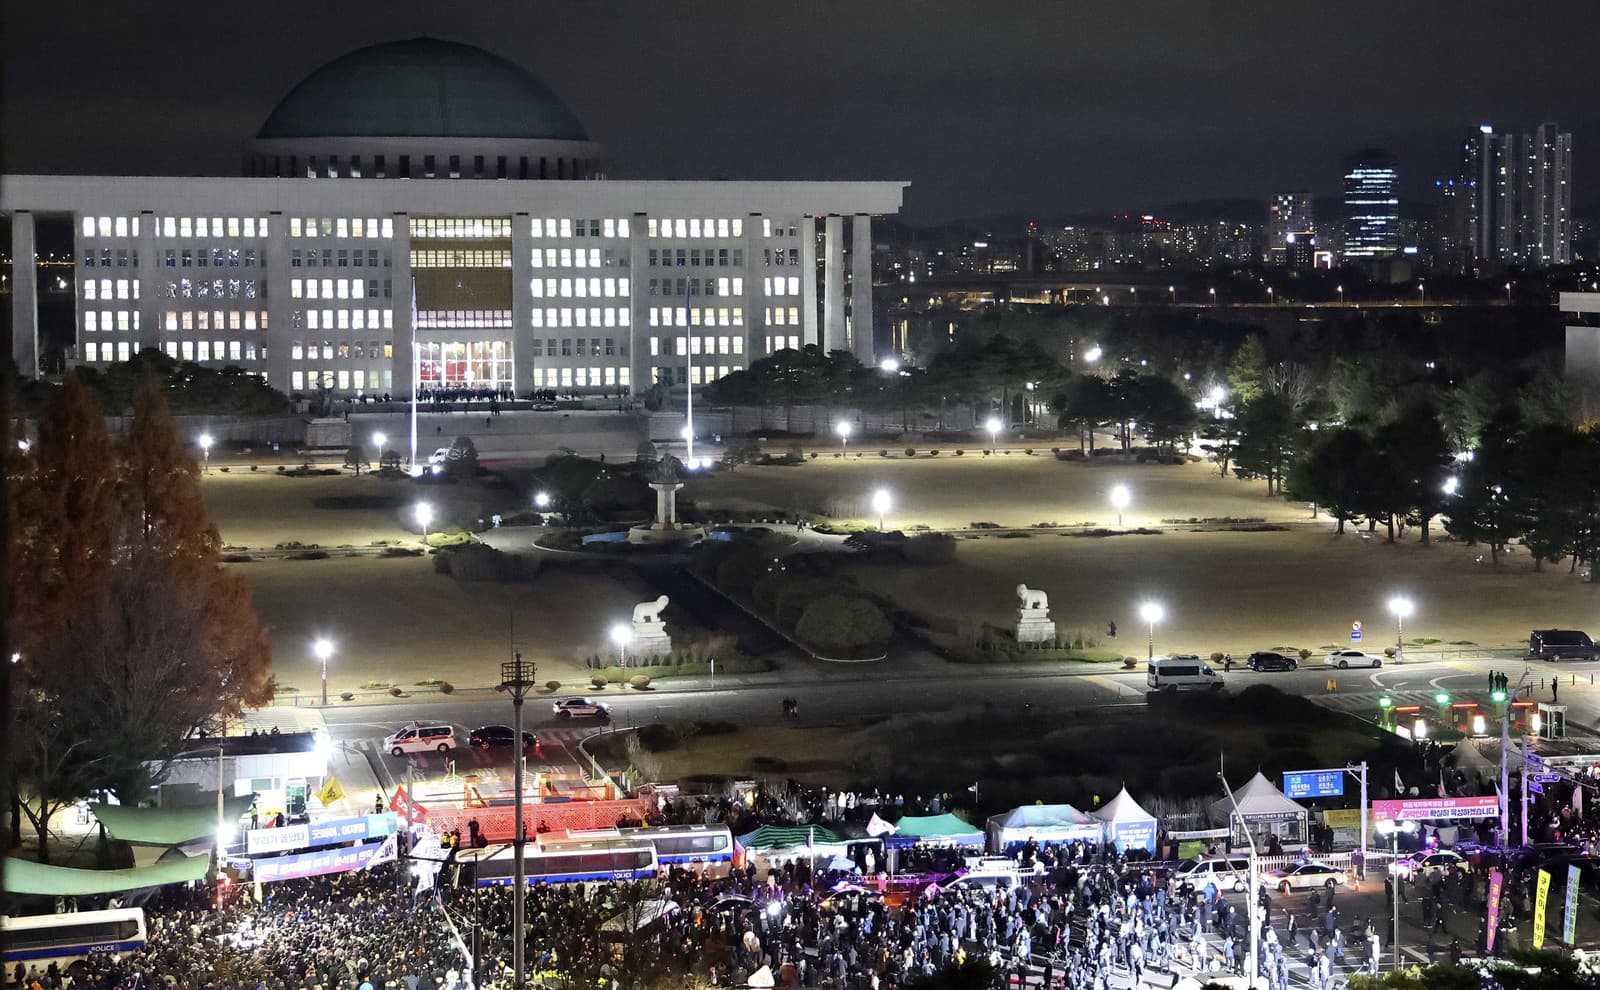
(423, 214)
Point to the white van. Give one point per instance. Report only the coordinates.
(419, 738)
(1182, 672)
(1227, 872)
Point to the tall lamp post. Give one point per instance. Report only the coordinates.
(1402, 607)
(517, 679)
(993, 426)
(843, 429)
(880, 505)
(424, 517)
(323, 648)
(621, 636)
(1392, 828)
(1255, 880)
(378, 440)
(1120, 497)
(1150, 613)
(205, 450)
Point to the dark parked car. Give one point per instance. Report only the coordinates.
(1268, 660)
(1562, 644)
(500, 737)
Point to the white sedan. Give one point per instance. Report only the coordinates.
(1345, 659)
(1306, 876)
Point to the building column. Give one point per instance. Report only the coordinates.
(150, 283)
(521, 303)
(280, 331)
(25, 295)
(833, 333)
(754, 299)
(862, 344)
(403, 371)
(811, 329)
(639, 302)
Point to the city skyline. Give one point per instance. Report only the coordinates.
(1063, 123)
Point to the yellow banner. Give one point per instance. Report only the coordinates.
(330, 792)
(1342, 818)
(1539, 901)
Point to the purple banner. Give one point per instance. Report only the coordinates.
(1497, 882)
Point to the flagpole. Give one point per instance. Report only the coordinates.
(688, 388)
(416, 369)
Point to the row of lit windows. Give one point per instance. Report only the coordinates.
(330, 350)
(563, 227)
(343, 319)
(694, 257)
(782, 316)
(341, 227)
(124, 349)
(214, 257)
(777, 256)
(776, 344)
(778, 285)
(460, 258)
(209, 227)
(208, 350)
(697, 316)
(477, 363)
(698, 375)
(216, 288)
(110, 227)
(337, 288)
(578, 347)
(475, 319)
(576, 258)
(214, 319)
(107, 320)
(124, 258)
(110, 288)
(440, 227)
(342, 378)
(724, 286)
(770, 229)
(340, 258)
(593, 316)
(579, 288)
(580, 377)
(695, 227)
(698, 345)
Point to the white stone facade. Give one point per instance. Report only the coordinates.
(570, 287)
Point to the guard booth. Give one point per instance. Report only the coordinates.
(1550, 722)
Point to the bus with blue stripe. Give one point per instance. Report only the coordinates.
(63, 939)
(706, 847)
(559, 862)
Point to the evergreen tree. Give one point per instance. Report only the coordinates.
(1269, 435)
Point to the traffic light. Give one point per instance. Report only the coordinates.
(1442, 698)
(1386, 707)
(1499, 697)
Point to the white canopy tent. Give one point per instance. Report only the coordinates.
(1042, 823)
(1127, 825)
(1262, 810)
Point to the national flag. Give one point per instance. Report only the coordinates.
(330, 791)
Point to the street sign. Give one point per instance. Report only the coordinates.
(1545, 778)
(1535, 788)
(1313, 784)
(1355, 626)
(1533, 760)
(1355, 635)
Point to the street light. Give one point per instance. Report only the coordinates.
(1508, 292)
(1093, 354)
(1341, 295)
(1213, 295)
(880, 505)
(843, 429)
(323, 648)
(542, 500)
(205, 449)
(1392, 829)
(1451, 485)
(993, 426)
(621, 636)
(1401, 606)
(1120, 497)
(1422, 292)
(378, 440)
(1269, 295)
(1151, 613)
(424, 517)
(889, 364)
(1172, 293)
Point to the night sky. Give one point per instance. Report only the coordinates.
(987, 106)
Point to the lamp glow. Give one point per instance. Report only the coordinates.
(880, 505)
(1121, 498)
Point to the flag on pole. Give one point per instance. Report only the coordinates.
(1441, 782)
(330, 791)
(1577, 805)
(1399, 785)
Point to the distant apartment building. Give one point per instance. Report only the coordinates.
(1519, 196)
(1290, 218)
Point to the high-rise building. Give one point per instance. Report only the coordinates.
(1371, 205)
(1455, 249)
(1547, 234)
(1288, 213)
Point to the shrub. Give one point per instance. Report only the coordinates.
(796, 596)
(934, 452)
(911, 451)
(462, 458)
(930, 548)
(598, 680)
(395, 692)
(254, 468)
(834, 622)
(445, 687)
(881, 453)
(1388, 651)
(639, 681)
(552, 686)
(960, 452)
(813, 455)
(1028, 451)
(346, 695)
(1055, 450)
(1305, 655)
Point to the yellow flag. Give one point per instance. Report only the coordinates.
(330, 792)
(1541, 899)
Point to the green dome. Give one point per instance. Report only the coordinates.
(422, 88)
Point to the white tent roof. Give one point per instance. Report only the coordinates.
(1043, 816)
(1122, 808)
(1470, 757)
(1257, 797)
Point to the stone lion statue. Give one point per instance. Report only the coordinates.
(1032, 598)
(649, 613)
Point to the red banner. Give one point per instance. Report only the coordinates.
(1430, 809)
(400, 801)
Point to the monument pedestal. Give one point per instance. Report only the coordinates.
(1034, 628)
(327, 435)
(653, 642)
(666, 528)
